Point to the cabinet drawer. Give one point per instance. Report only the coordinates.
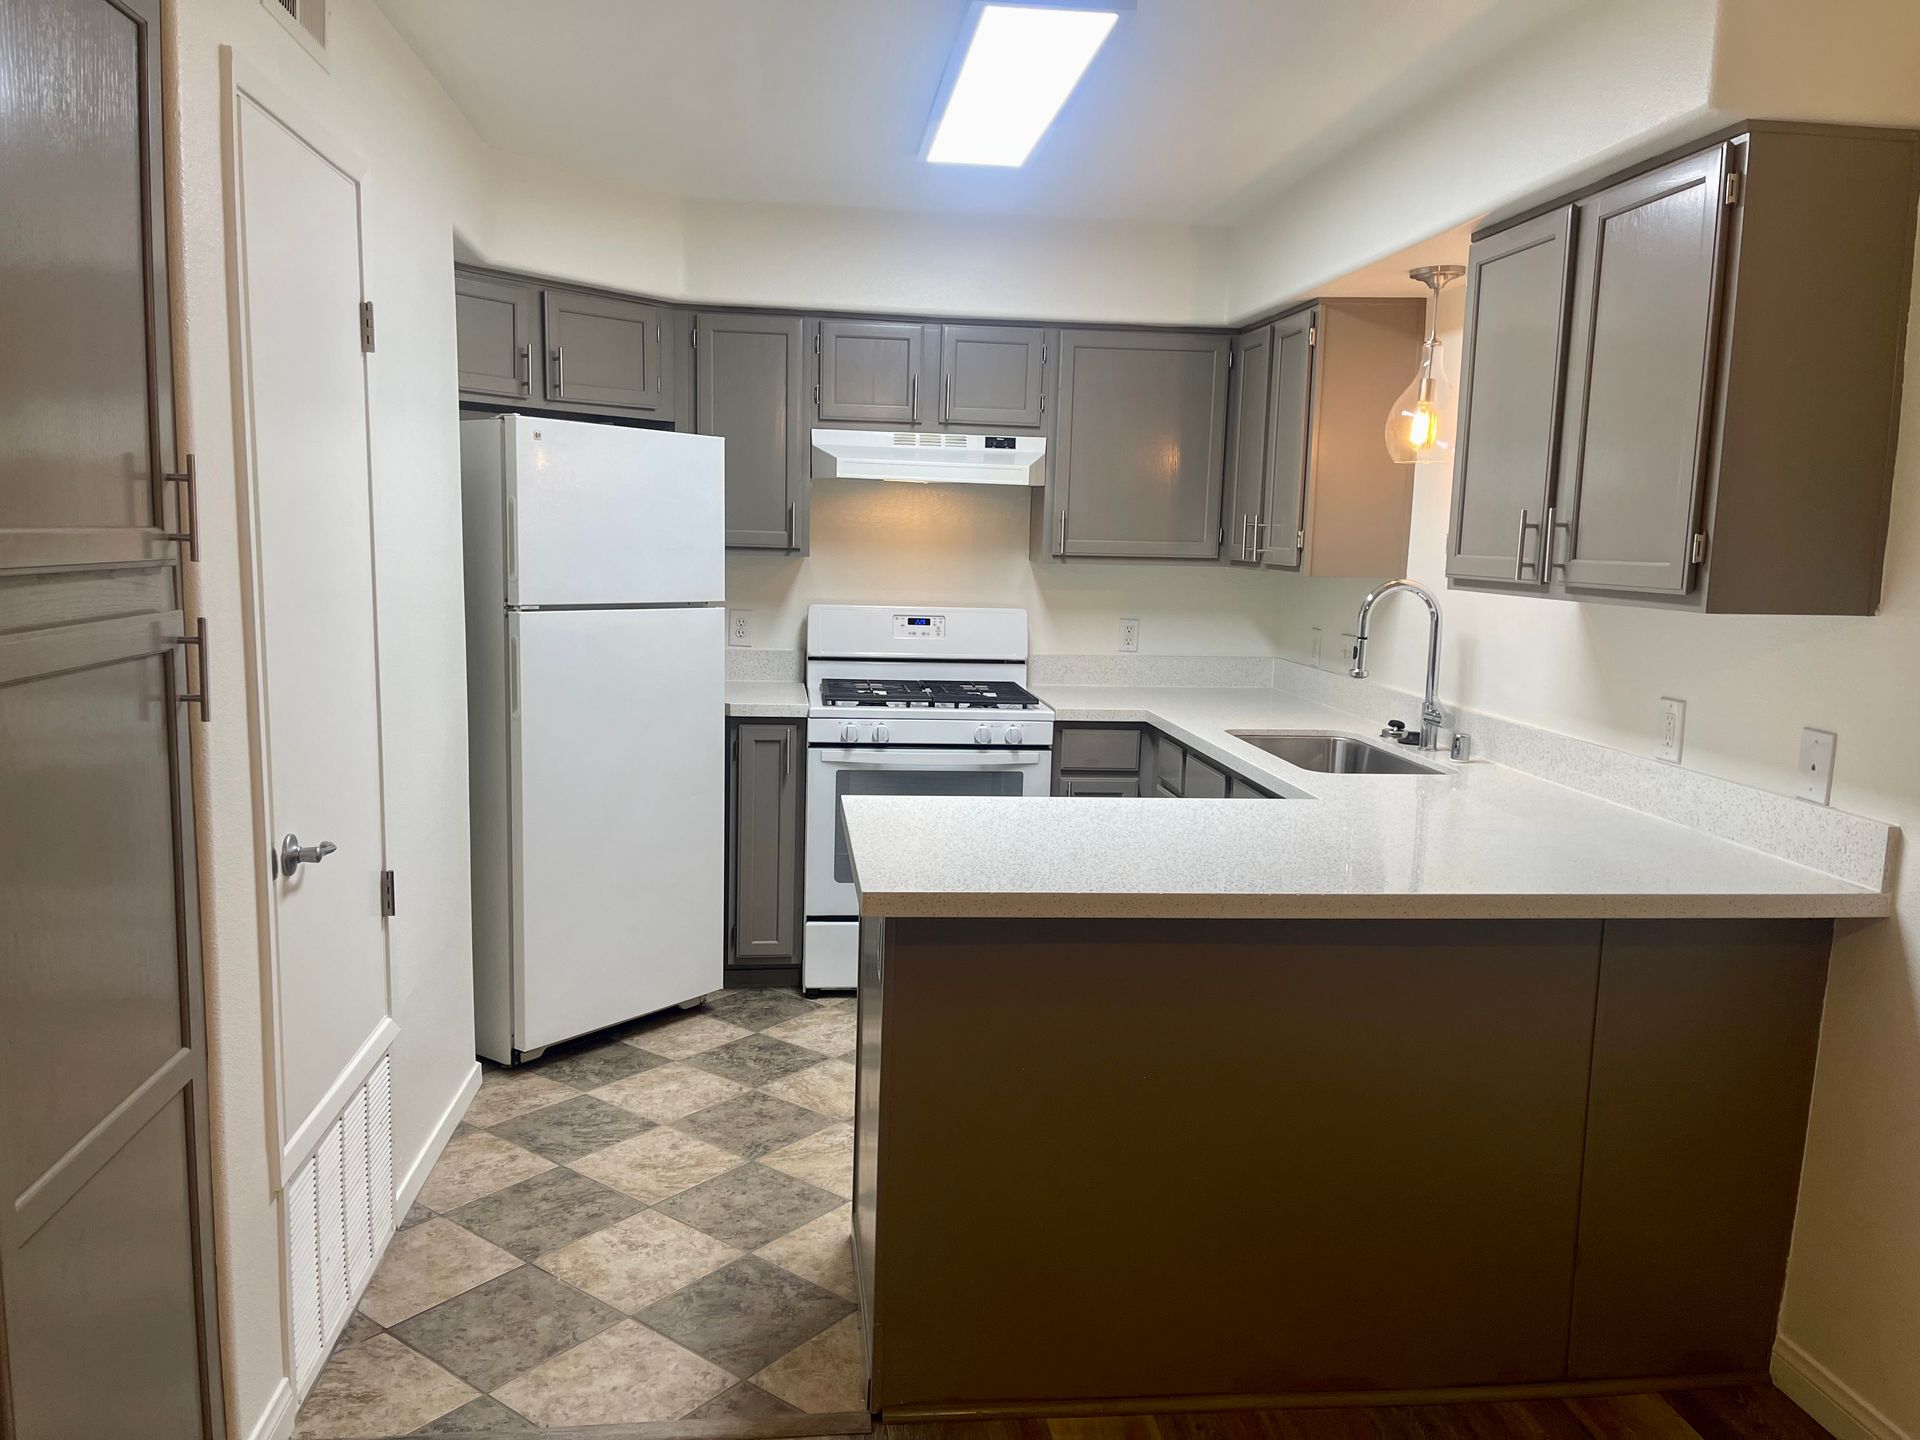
(1098, 749)
(1170, 765)
(1203, 782)
(1110, 786)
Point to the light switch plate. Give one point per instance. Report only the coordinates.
(1816, 765)
(1129, 636)
(739, 627)
(1673, 729)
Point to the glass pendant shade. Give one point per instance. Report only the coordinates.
(1420, 424)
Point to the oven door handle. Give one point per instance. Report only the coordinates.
(885, 759)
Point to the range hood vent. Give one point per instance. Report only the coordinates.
(929, 457)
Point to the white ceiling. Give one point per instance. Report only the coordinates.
(1194, 110)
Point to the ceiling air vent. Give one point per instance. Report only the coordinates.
(306, 21)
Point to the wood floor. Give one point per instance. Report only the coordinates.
(1746, 1412)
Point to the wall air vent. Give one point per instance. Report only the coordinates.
(306, 21)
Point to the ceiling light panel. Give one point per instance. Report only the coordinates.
(1021, 64)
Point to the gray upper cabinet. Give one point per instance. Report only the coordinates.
(607, 354)
(750, 379)
(1138, 468)
(498, 325)
(993, 376)
(1278, 538)
(1646, 300)
(1515, 347)
(1697, 458)
(870, 371)
(1249, 411)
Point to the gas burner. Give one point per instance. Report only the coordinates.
(928, 694)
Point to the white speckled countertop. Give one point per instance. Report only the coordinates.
(1478, 840)
(766, 700)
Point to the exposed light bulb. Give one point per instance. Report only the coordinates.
(1420, 424)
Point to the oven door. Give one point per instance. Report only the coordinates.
(837, 771)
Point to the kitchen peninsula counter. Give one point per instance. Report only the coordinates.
(1412, 1086)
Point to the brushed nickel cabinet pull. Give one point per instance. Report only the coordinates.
(203, 696)
(189, 508)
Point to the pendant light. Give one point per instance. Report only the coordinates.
(1420, 425)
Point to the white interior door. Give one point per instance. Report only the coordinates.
(619, 780)
(304, 390)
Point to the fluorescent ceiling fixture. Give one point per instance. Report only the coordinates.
(1020, 66)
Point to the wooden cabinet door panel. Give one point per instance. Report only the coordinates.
(992, 375)
(605, 353)
(1511, 389)
(1140, 440)
(870, 371)
(766, 842)
(1645, 320)
(1249, 409)
(1289, 439)
(750, 373)
(495, 322)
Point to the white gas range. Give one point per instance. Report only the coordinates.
(906, 701)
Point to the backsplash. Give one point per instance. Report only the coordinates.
(774, 667)
(1220, 672)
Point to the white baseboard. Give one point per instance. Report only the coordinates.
(276, 1421)
(1828, 1398)
(409, 1187)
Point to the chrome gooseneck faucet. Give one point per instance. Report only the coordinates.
(1432, 717)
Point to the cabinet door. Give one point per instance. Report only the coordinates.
(1277, 538)
(495, 320)
(870, 371)
(765, 848)
(1239, 789)
(1109, 786)
(1513, 365)
(1646, 310)
(992, 375)
(1203, 781)
(606, 354)
(1169, 768)
(1140, 436)
(1248, 411)
(749, 375)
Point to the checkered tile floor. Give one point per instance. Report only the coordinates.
(651, 1223)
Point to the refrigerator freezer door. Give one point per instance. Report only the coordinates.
(619, 780)
(610, 515)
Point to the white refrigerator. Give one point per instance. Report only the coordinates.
(596, 583)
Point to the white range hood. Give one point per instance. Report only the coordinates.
(929, 457)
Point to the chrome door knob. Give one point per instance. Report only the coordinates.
(293, 854)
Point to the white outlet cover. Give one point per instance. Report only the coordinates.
(1673, 729)
(739, 627)
(1816, 765)
(1129, 636)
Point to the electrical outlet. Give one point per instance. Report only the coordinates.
(1673, 728)
(739, 627)
(1816, 765)
(1319, 639)
(1129, 636)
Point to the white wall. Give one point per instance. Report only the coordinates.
(378, 99)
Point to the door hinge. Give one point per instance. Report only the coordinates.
(1043, 352)
(1230, 357)
(816, 342)
(657, 336)
(1313, 336)
(1043, 402)
(1698, 551)
(1299, 539)
(1733, 187)
(816, 394)
(693, 337)
(366, 327)
(386, 892)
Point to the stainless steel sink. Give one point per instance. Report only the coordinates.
(1332, 754)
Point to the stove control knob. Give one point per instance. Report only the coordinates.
(849, 732)
(983, 736)
(881, 735)
(1013, 734)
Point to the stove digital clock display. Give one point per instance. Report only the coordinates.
(919, 627)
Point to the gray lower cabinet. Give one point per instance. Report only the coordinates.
(870, 371)
(1640, 420)
(607, 354)
(1203, 780)
(1111, 786)
(497, 323)
(994, 376)
(1135, 760)
(750, 382)
(1138, 444)
(764, 843)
